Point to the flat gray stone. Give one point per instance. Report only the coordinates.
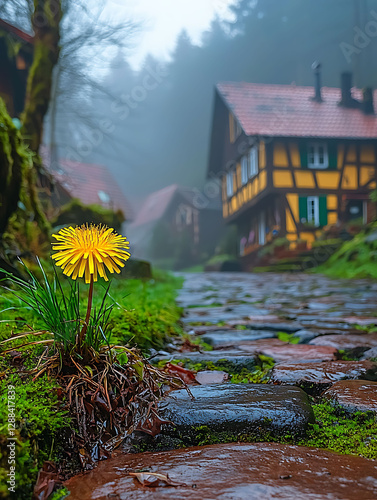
(274, 326)
(316, 377)
(306, 336)
(320, 306)
(247, 408)
(370, 353)
(223, 313)
(284, 351)
(347, 341)
(207, 377)
(233, 337)
(234, 361)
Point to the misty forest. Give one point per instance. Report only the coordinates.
(160, 116)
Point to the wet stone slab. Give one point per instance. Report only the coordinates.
(237, 408)
(306, 336)
(345, 341)
(234, 361)
(316, 377)
(206, 377)
(233, 337)
(258, 471)
(283, 351)
(354, 395)
(276, 326)
(225, 313)
(370, 353)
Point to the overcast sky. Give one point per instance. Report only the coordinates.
(162, 21)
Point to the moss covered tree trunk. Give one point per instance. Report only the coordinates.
(46, 26)
(15, 162)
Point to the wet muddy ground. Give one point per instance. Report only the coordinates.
(259, 471)
(316, 333)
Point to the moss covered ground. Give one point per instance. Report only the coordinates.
(343, 432)
(145, 312)
(40, 418)
(145, 315)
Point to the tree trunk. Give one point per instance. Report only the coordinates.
(46, 25)
(15, 162)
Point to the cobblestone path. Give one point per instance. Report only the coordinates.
(293, 338)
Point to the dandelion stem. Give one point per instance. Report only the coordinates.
(88, 311)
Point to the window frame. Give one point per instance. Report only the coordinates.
(229, 184)
(253, 154)
(244, 170)
(315, 164)
(309, 200)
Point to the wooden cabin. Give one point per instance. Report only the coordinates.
(173, 224)
(293, 160)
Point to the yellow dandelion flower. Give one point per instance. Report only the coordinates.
(90, 250)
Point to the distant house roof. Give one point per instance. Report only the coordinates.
(157, 203)
(288, 110)
(92, 184)
(16, 31)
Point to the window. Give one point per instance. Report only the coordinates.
(249, 165)
(253, 162)
(183, 216)
(317, 155)
(244, 170)
(229, 184)
(313, 210)
(104, 197)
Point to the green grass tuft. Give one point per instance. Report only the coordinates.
(288, 337)
(356, 258)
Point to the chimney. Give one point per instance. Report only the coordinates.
(316, 67)
(347, 100)
(367, 104)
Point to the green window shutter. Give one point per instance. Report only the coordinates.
(303, 207)
(332, 151)
(303, 154)
(322, 202)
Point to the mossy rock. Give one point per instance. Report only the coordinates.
(76, 213)
(137, 269)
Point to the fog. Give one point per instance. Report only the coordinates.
(153, 127)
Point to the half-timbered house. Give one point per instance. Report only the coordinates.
(293, 160)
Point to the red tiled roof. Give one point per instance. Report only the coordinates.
(92, 184)
(288, 110)
(15, 31)
(155, 205)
